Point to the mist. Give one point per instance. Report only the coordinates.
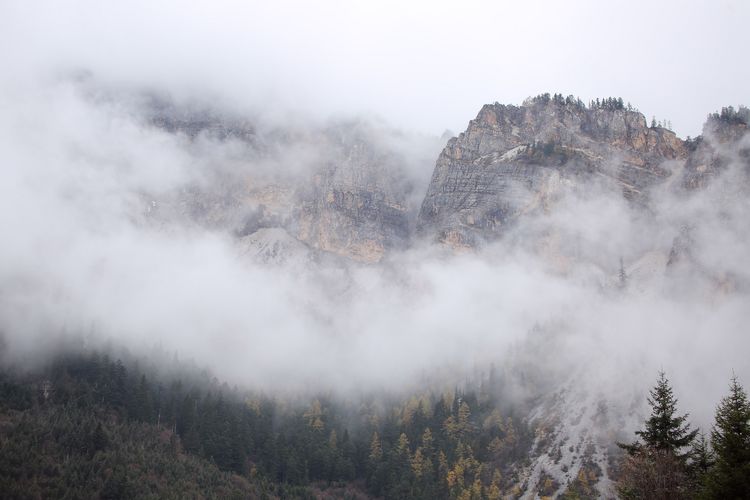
(97, 241)
(428, 67)
(81, 256)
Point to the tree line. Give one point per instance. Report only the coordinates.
(605, 103)
(731, 115)
(453, 444)
(89, 425)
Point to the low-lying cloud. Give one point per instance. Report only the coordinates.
(80, 257)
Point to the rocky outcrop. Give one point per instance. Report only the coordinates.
(344, 188)
(515, 159)
(720, 144)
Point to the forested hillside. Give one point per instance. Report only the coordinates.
(89, 425)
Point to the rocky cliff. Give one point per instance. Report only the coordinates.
(349, 189)
(345, 188)
(516, 159)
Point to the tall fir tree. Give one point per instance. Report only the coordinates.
(702, 457)
(657, 468)
(665, 431)
(730, 477)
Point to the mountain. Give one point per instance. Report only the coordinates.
(292, 196)
(344, 187)
(354, 189)
(513, 160)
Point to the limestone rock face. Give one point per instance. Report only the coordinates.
(356, 204)
(344, 188)
(354, 189)
(514, 159)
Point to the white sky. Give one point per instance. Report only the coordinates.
(421, 65)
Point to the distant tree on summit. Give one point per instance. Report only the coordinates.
(732, 116)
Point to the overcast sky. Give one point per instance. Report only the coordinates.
(420, 65)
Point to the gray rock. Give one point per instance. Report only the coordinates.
(512, 160)
(345, 188)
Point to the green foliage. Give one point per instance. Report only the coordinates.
(730, 438)
(665, 431)
(730, 115)
(610, 104)
(64, 451)
(88, 426)
(657, 468)
(702, 457)
(548, 152)
(607, 103)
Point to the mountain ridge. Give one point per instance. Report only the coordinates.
(355, 197)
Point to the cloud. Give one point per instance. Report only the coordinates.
(80, 167)
(81, 258)
(428, 67)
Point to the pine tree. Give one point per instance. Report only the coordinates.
(623, 276)
(376, 450)
(99, 439)
(664, 431)
(702, 458)
(657, 468)
(730, 437)
(143, 404)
